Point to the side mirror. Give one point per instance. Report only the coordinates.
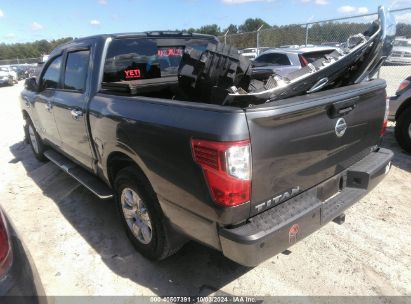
(31, 84)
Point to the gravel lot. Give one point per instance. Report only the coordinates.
(80, 249)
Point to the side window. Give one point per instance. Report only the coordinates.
(263, 58)
(52, 75)
(75, 74)
(282, 59)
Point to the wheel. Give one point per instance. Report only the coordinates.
(35, 141)
(11, 81)
(142, 216)
(403, 130)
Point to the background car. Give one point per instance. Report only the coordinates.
(10, 73)
(21, 70)
(401, 53)
(7, 75)
(400, 111)
(19, 280)
(286, 60)
(249, 53)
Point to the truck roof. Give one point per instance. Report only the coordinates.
(150, 34)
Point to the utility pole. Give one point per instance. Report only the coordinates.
(225, 37)
(258, 39)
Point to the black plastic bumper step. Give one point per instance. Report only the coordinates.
(84, 177)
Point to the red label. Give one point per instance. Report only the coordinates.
(168, 52)
(293, 233)
(132, 73)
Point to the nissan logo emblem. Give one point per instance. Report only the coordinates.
(340, 127)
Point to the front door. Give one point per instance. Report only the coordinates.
(44, 102)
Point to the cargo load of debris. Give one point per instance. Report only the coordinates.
(219, 75)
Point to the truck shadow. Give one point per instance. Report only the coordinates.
(194, 270)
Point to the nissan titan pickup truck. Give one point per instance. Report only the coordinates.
(119, 114)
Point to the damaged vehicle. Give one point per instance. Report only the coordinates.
(173, 126)
(283, 61)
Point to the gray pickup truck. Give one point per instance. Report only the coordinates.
(248, 181)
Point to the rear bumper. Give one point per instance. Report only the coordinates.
(278, 228)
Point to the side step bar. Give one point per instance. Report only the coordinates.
(84, 177)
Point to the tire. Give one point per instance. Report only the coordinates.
(141, 215)
(11, 81)
(35, 141)
(403, 130)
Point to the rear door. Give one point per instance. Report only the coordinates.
(299, 142)
(70, 105)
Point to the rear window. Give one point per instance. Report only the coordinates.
(142, 58)
(274, 59)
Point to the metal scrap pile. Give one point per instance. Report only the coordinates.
(220, 75)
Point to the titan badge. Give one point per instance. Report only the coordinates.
(277, 199)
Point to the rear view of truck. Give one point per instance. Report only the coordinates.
(189, 144)
(312, 158)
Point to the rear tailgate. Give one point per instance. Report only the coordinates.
(295, 145)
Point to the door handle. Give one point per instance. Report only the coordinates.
(342, 107)
(76, 114)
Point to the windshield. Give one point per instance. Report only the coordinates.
(141, 58)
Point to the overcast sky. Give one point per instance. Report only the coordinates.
(22, 21)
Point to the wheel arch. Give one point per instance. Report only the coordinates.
(119, 160)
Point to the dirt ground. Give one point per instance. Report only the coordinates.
(80, 249)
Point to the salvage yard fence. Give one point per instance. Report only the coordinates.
(331, 32)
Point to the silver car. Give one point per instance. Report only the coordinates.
(401, 53)
(286, 60)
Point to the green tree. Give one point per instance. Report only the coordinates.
(252, 24)
(232, 29)
(212, 29)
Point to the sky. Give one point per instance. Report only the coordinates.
(26, 20)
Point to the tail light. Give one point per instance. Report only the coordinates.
(403, 85)
(304, 62)
(5, 247)
(385, 121)
(227, 169)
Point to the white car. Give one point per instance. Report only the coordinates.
(401, 53)
(8, 75)
(249, 53)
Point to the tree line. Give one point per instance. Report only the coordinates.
(30, 49)
(238, 35)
